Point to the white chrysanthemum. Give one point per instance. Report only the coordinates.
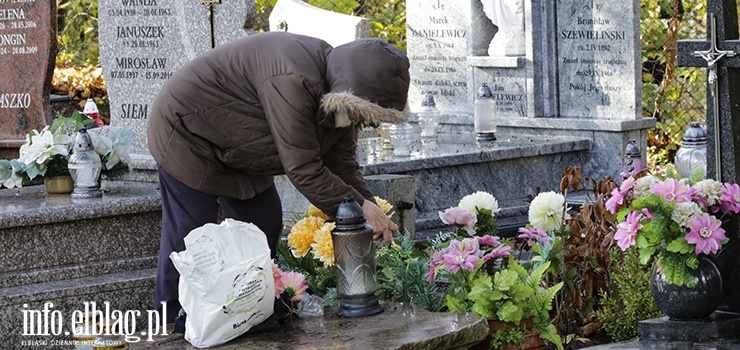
(479, 200)
(643, 185)
(709, 189)
(685, 211)
(546, 211)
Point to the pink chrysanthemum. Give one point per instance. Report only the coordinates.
(627, 230)
(434, 264)
(459, 255)
(277, 275)
(706, 233)
(491, 241)
(531, 233)
(459, 216)
(618, 194)
(672, 189)
(295, 285)
(502, 250)
(730, 198)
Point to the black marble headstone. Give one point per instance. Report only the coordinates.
(724, 98)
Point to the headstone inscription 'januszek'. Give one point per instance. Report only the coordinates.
(142, 42)
(599, 59)
(437, 49)
(27, 54)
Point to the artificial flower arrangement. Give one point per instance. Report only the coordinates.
(46, 152)
(675, 218)
(310, 249)
(482, 274)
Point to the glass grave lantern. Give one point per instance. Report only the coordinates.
(692, 156)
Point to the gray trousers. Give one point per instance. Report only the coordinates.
(184, 209)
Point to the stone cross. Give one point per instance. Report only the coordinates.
(718, 56)
(209, 4)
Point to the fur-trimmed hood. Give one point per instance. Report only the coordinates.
(369, 77)
(338, 102)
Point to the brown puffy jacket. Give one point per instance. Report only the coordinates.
(265, 105)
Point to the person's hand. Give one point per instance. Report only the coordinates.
(382, 224)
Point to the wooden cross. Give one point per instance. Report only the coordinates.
(209, 4)
(719, 55)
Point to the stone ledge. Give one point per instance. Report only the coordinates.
(96, 268)
(497, 62)
(402, 327)
(32, 206)
(590, 124)
(77, 287)
(720, 325)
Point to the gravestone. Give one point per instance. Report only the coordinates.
(599, 74)
(720, 54)
(436, 42)
(28, 49)
(295, 16)
(579, 77)
(142, 42)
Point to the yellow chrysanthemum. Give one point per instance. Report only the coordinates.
(301, 235)
(323, 246)
(384, 205)
(315, 211)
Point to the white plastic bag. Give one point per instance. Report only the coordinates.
(226, 284)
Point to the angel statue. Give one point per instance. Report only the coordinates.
(508, 16)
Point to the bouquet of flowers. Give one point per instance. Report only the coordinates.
(479, 280)
(311, 249)
(46, 152)
(676, 218)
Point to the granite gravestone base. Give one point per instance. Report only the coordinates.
(399, 326)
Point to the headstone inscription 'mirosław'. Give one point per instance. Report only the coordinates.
(143, 42)
(27, 54)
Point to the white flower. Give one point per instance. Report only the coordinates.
(685, 211)
(546, 211)
(643, 185)
(13, 179)
(709, 189)
(479, 200)
(45, 145)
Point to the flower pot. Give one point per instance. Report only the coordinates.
(530, 341)
(59, 185)
(688, 303)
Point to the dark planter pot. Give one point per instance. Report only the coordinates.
(689, 303)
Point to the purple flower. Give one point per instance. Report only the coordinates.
(672, 189)
(618, 195)
(615, 200)
(459, 216)
(493, 241)
(433, 264)
(531, 233)
(627, 230)
(706, 233)
(730, 198)
(501, 250)
(460, 255)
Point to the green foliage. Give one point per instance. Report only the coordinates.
(630, 299)
(514, 294)
(507, 337)
(78, 31)
(402, 273)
